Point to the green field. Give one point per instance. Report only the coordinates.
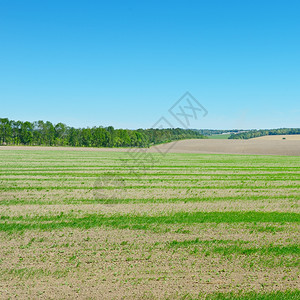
(219, 136)
(98, 225)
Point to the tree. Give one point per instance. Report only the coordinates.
(26, 134)
(60, 134)
(5, 131)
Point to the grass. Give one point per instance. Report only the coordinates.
(220, 224)
(20, 223)
(290, 295)
(219, 136)
(228, 247)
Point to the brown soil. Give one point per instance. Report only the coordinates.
(261, 146)
(121, 264)
(252, 146)
(291, 137)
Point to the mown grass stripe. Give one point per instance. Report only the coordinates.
(144, 178)
(17, 223)
(226, 247)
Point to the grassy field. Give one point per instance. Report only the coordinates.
(102, 225)
(220, 136)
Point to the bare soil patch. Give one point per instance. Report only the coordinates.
(290, 137)
(121, 264)
(252, 146)
(269, 145)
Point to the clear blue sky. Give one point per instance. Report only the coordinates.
(124, 63)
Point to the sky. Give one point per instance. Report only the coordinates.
(126, 63)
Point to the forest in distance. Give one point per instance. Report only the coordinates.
(42, 133)
(242, 134)
(263, 132)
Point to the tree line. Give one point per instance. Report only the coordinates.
(42, 133)
(263, 132)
